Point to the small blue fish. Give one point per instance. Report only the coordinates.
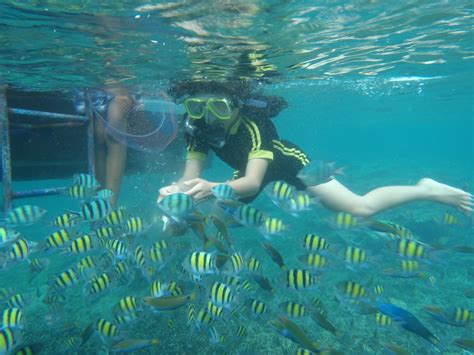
(85, 180)
(456, 316)
(177, 205)
(224, 193)
(25, 215)
(319, 172)
(407, 321)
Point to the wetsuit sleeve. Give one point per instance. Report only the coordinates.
(196, 148)
(262, 135)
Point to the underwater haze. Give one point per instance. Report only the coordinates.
(383, 88)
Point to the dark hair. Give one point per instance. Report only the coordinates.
(238, 90)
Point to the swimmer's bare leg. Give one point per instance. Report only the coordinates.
(118, 112)
(100, 151)
(337, 197)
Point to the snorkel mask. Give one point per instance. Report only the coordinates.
(205, 118)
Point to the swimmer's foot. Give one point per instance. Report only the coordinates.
(448, 195)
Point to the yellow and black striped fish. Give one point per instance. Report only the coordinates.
(24, 215)
(5, 292)
(81, 245)
(344, 220)
(140, 259)
(400, 231)
(87, 262)
(177, 205)
(12, 318)
(241, 331)
(127, 304)
(280, 191)
(106, 329)
(272, 226)
(79, 191)
(122, 273)
(31, 349)
(232, 280)
(161, 244)
(58, 239)
(301, 351)
(299, 279)
(301, 201)
(7, 235)
(73, 342)
(201, 263)
(203, 318)
(118, 248)
(355, 256)
(191, 313)
(257, 307)
(246, 286)
(450, 219)
(86, 180)
(16, 301)
(174, 289)
(316, 302)
(85, 266)
(158, 288)
(100, 284)
(315, 261)
(409, 266)
(156, 254)
(95, 210)
(378, 289)
(66, 220)
(315, 242)
(20, 250)
(462, 315)
(66, 279)
(352, 290)
(253, 265)
(105, 232)
(135, 225)
(382, 319)
(115, 218)
(215, 311)
(235, 263)
(7, 340)
(224, 192)
(38, 265)
(408, 269)
(249, 216)
(126, 318)
(221, 294)
(293, 309)
(411, 249)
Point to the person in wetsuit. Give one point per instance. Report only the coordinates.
(216, 120)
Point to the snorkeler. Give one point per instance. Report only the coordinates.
(111, 107)
(110, 154)
(225, 119)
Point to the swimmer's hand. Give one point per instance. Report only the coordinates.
(199, 188)
(168, 190)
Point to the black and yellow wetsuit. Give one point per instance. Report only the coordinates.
(250, 139)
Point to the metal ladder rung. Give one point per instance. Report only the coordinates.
(53, 118)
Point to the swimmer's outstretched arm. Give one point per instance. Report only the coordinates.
(336, 196)
(192, 184)
(248, 185)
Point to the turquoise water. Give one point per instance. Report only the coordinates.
(385, 89)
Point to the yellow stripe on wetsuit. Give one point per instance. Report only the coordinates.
(298, 154)
(254, 133)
